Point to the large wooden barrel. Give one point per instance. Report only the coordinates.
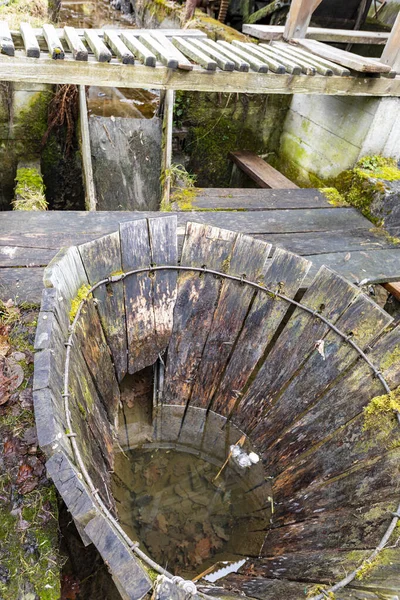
(246, 351)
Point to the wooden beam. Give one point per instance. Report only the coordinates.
(322, 34)
(299, 18)
(391, 53)
(346, 59)
(167, 145)
(46, 70)
(393, 288)
(260, 171)
(6, 43)
(90, 192)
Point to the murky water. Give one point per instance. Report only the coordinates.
(185, 518)
(107, 102)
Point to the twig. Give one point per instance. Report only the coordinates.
(240, 443)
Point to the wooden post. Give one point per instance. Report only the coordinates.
(299, 18)
(167, 146)
(391, 52)
(90, 192)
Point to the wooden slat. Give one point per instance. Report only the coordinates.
(306, 62)
(93, 345)
(183, 62)
(305, 65)
(75, 44)
(249, 259)
(118, 47)
(101, 258)
(164, 251)
(66, 273)
(224, 63)
(299, 18)
(167, 138)
(55, 47)
(98, 47)
(273, 63)
(290, 65)
(330, 294)
(347, 59)
(260, 171)
(393, 288)
(19, 68)
(31, 45)
(256, 65)
(6, 43)
(240, 64)
(322, 34)
(197, 296)
(391, 52)
(139, 50)
(364, 320)
(259, 199)
(140, 326)
(164, 55)
(315, 60)
(340, 404)
(192, 52)
(286, 271)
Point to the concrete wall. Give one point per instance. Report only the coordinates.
(324, 135)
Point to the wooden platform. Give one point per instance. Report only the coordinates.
(300, 220)
(260, 171)
(179, 60)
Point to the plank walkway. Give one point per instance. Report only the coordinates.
(299, 220)
(181, 60)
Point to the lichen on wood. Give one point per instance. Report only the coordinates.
(82, 294)
(380, 417)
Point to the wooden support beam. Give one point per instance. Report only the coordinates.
(391, 53)
(260, 171)
(167, 145)
(299, 18)
(322, 34)
(393, 288)
(90, 192)
(22, 69)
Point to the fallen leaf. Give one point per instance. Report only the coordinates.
(24, 472)
(202, 549)
(4, 345)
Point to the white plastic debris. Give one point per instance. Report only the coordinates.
(241, 458)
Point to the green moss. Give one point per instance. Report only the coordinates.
(380, 419)
(82, 410)
(315, 590)
(29, 190)
(391, 359)
(32, 123)
(333, 196)
(82, 294)
(215, 29)
(367, 566)
(184, 198)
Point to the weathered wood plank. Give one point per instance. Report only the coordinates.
(329, 294)
(183, 62)
(102, 258)
(51, 423)
(363, 321)
(66, 273)
(240, 64)
(272, 60)
(71, 488)
(306, 65)
(248, 259)
(139, 50)
(257, 65)
(393, 288)
(14, 256)
(347, 59)
(90, 190)
(119, 48)
(322, 34)
(197, 296)
(167, 137)
(53, 303)
(19, 68)
(140, 325)
(224, 63)
(98, 47)
(286, 272)
(6, 43)
(93, 345)
(31, 45)
(340, 404)
(54, 45)
(164, 251)
(259, 199)
(260, 171)
(125, 568)
(164, 55)
(192, 52)
(75, 44)
(299, 52)
(290, 65)
(22, 285)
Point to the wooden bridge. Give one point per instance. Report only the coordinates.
(188, 60)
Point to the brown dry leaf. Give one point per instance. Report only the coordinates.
(162, 523)
(15, 372)
(4, 345)
(202, 549)
(152, 474)
(24, 472)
